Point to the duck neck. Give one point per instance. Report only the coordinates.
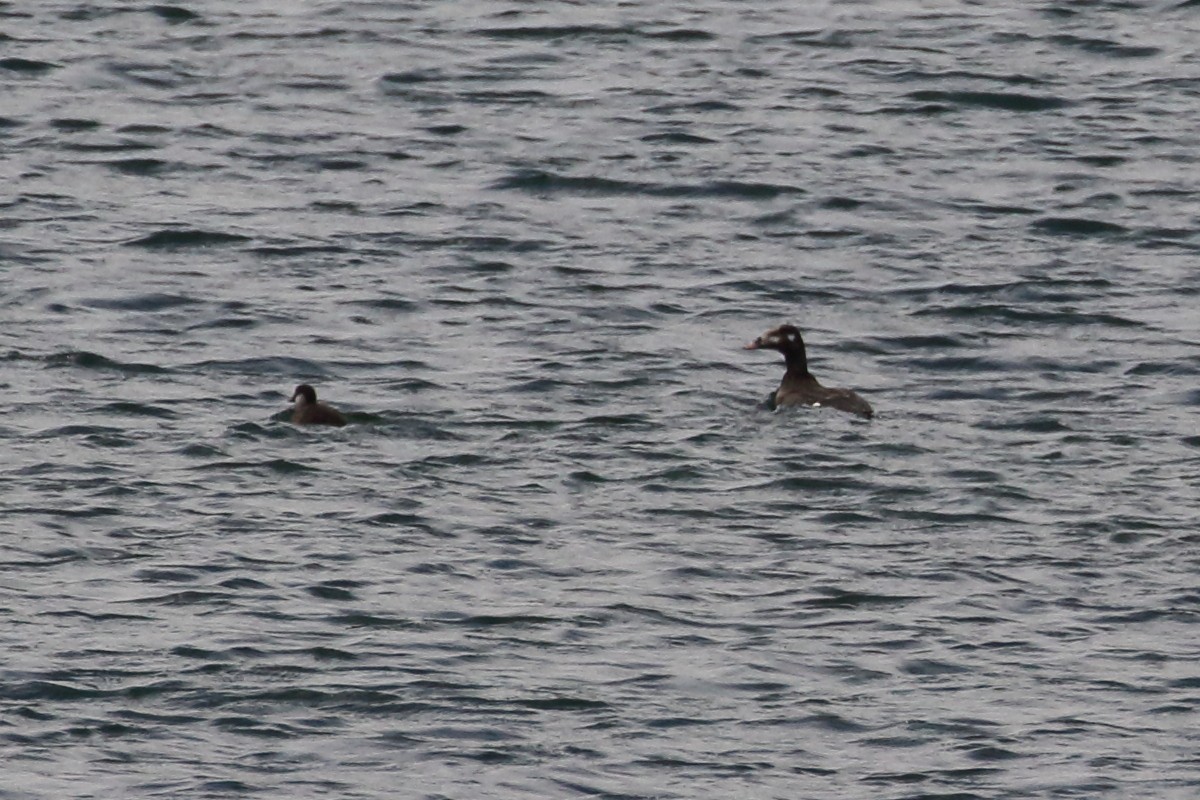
(797, 361)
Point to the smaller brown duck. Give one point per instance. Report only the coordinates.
(309, 412)
(799, 387)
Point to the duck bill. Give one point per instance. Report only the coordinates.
(755, 345)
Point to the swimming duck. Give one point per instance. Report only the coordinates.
(310, 412)
(799, 387)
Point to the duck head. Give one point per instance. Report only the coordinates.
(304, 395)
(787, 340)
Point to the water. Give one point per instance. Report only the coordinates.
(563, 550)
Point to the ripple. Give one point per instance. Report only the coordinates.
(186, 238)
(1068, 226)
(279, 466)
(174, 14)
(75, 125)
(83, 359)
(542, 182)
(26, 65)
(137, 410)
(1000, 101)
(1106, 47)
(145, 302)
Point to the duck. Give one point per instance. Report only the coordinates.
(309, 412)
(799, 387)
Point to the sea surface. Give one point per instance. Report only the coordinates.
(564, 550)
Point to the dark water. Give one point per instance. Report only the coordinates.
(564, 551)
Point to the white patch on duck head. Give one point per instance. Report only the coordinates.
(788, 333)
(783, 338)
(784, 334)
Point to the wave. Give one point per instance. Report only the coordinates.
(178, 238)
(543, 182)
(84, 359)
(1078, 226)
(27, 65)
(1000, 101)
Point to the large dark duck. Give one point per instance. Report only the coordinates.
(309, 412)
(799, 387)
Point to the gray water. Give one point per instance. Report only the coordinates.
(564, 550)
